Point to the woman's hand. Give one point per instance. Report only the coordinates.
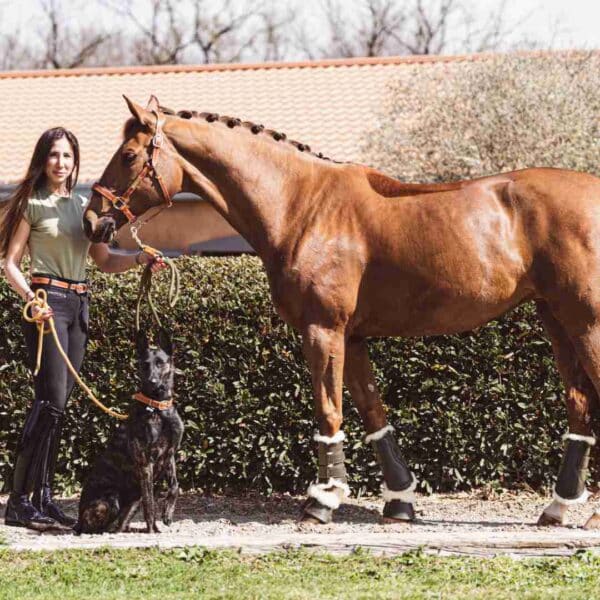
(41, 314)
(156, 262)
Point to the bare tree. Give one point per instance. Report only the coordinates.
(388, 27)
(373, 35)
(161, 33)
(179, 31)
(220, 36)
(67, 46)
(14, 53)
(237, 31)
(275, 43)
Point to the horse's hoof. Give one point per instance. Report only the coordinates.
(547, 520)
(317, 513)
(396, 511)
(593, 522)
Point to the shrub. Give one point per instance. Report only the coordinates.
(469, 409)
(462, 120)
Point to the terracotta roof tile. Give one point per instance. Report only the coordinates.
(326, 104)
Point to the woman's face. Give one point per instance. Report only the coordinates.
(60, 163)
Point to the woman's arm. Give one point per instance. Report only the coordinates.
(115, 262)
(12, 263)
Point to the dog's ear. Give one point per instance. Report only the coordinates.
(164, 341)
(141, 340)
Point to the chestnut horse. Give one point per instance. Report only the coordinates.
(351, 253)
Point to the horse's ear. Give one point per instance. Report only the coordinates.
(153, 104)
(143, 116)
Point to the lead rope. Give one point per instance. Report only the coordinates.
(145, 288)
(41, 301)
(145, 292)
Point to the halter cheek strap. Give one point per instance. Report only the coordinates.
(148, 170)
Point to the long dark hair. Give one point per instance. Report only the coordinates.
(34, 179)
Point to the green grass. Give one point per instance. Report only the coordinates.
(196, 572)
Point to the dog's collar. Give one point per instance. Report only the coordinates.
(159, 404)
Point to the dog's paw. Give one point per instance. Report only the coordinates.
(168, 521)
(152, 528)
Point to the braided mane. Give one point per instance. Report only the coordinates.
(254, 128)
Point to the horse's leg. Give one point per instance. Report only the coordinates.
(580, 397)
(399, 482)
(324, 352)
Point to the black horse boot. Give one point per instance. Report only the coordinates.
(570, 485)
(326, 495)
(399, 483)
(21, 513)
(42, 493)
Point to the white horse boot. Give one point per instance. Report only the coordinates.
(331, 489)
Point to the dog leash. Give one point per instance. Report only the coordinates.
(41, 301)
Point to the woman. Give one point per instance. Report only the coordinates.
(45, 215)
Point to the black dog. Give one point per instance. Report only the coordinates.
(141, 451)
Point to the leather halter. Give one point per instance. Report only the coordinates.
(148, 170)
(158, 404)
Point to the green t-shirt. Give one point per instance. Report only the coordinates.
(57, 244)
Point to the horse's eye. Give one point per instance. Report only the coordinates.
(129, 157)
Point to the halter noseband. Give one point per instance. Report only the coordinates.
(148, 170)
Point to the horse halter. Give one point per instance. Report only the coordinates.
(148, 170)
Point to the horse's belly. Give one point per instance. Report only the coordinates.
(415, 307)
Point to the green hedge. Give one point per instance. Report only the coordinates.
(468, 409)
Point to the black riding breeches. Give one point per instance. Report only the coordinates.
(38, 447)
(54, 383)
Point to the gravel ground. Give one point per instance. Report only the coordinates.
(472, 524)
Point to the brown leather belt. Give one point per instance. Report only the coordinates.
(79, 288)
(160, 405)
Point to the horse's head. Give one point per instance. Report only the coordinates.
(144, 172)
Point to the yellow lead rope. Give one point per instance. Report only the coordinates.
(41, 301)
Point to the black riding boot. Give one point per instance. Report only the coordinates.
(49, 508)
(21, 513)
(42, 492)
(31, 462)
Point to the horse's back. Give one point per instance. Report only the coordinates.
(452, 259)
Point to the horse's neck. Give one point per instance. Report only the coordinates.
(250, 185)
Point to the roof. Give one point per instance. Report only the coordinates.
(327, 104)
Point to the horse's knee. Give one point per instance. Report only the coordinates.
(330, 422)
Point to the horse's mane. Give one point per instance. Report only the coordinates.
(382, 184)
(232, 122)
